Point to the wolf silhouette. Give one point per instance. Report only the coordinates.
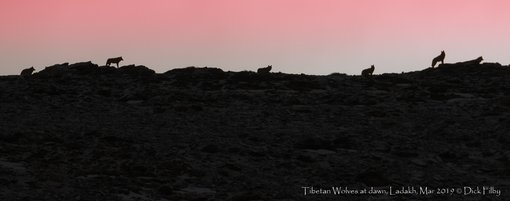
(368, 72)
(115, 60)
(27, 72)
(473, 62)
(439, 58)
(265, 70)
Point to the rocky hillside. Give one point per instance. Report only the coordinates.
(84, 132)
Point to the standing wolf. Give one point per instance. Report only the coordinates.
(439, 58)
(116, 60)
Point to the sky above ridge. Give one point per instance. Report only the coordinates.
(295, 36)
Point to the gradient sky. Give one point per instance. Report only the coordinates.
(295, 36)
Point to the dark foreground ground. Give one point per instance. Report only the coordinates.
(82, 132)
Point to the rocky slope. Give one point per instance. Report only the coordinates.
(83, 132)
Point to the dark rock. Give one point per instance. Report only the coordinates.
(302, 85)
(376, 113)
(11, 137)
(306, 158)
(338, 75)
(195, 75)
(166, 190)
(210, 148)
(313, 143)
(373, 178)
(104, 92)
(405, 152)
(492, 65)
(136, 70)
(244, 76)
(106, 69)
(234, 150)
(137, 170)
(344, 142)
(84, 67)
(245, 196)
(448, 155)
(55, 70)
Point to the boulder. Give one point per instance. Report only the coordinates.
(197, 73)
(84, 67)
(54, 70)
(136, 70)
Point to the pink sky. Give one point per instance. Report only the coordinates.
(295, 36)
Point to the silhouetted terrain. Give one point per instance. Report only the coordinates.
(83, 132)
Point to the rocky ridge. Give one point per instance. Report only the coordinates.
(84, 132)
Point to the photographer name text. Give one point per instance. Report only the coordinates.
(406, 190)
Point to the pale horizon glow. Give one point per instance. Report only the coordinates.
(295, 36)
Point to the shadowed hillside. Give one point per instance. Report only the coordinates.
(83, 132)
